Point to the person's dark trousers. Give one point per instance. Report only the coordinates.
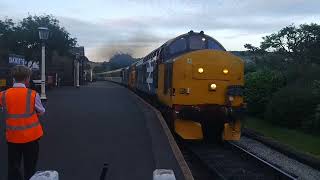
(29, 153)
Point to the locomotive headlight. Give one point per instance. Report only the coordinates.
(231, 98)
(200, 70)
(225, 71)
(212, 87)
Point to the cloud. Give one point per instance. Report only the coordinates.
(137, 45)
(137, 27)
(104, 39)
(104, 53)
(2, 6)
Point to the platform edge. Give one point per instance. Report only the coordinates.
(174, 147)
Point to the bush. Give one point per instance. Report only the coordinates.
(304, 74)
(317, 119)
(294, 107)
(259, 87)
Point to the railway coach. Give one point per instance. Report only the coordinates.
(197, 82)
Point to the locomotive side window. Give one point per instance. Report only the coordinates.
(168, 68)
(197, 42)
(214, 45)
(178, 46)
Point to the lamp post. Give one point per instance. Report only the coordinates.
(77, 70)
(43, 35)
(91, 75)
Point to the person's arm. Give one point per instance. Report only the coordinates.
(0, 100)
(1, 105)
(38, 105)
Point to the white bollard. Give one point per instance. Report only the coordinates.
(163, 174)
(45, 175)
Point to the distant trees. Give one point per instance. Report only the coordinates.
(282, 83)
(117, 61)
(120, 60)
(103, 67)
(22, 38)
(298, 45)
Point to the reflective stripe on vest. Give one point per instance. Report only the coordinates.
(27, 114)
(20, 128)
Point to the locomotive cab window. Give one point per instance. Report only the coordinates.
(197, 42)
(178, 46)
(214, 45)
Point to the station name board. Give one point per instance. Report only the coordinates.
(16, 60)
(20, 60)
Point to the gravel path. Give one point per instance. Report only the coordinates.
(287, 164)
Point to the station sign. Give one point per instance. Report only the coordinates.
(20, 60)
(16, 59)
(33, 65)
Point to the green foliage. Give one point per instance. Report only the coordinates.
(250, 67)
(298, 45)
(251, 48)
(305, 75)
(22, 38)
(121, 60)
(294, 107)
(301, 141)
(259, 87)
(100, 69)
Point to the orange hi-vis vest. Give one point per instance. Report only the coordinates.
(22, 123)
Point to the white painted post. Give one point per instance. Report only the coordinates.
(43, 73)
(78, 74)
(91, 75)
(56, 79)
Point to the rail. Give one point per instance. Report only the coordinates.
(230, 161)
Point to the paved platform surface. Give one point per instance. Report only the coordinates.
(96, 124)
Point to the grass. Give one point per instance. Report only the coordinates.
(298, 140)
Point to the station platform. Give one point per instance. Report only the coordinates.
(102, 123)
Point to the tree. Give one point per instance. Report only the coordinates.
(283, 83)
(259, 87)
(103, 67)
(59, 39)
(120, 60)
(299, 45)
(22, 38)
(6, 35)
(251, 48)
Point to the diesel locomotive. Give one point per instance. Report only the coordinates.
(198, 84)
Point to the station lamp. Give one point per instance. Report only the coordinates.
(43, 35)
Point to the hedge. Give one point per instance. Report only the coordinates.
(259, 87)
(296, 107)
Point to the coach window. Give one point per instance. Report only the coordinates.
(214, 45)
(178, 46)
(197, 42)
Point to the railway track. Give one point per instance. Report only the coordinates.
(228, 161)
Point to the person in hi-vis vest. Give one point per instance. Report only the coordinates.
(21, 107)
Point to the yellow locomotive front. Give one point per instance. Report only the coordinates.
(203, 88)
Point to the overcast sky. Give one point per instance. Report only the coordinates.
(138, 26)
